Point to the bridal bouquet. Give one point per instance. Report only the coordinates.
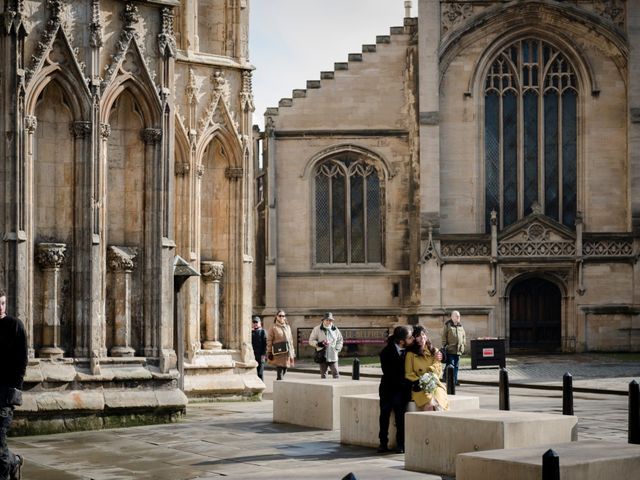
(428, 382)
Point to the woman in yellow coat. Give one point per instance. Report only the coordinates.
(423, 357)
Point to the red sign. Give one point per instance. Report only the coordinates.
(487, 352)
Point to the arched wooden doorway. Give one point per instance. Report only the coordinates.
(535, 316)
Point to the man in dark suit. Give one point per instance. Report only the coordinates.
(395, 390)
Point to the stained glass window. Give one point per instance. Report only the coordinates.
(530, 133)
(348, 220)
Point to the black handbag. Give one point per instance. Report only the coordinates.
(278, 348)
(320, 355)
(443, 350)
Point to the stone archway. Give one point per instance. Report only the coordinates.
(535, 316)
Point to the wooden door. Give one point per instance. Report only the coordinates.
(535, 316)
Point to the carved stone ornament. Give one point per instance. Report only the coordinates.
(30, 123)
(608, 248)
(246, 95)
(50, 256)
(269, 126)
(535, 243)
(120, 259)
(151, 135)
(454, 14)
(47, 38)
(613, 10)
(182, 168)
(191, 89)
(234, 173)
(166, 39)
(105, 130)
(465, 249)
(80, 129)
(95, 27)
(211, 271)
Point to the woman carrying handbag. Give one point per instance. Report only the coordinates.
(280, 352)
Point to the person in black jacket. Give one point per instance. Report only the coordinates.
(13, 365)
(259, 343)
(395, 389)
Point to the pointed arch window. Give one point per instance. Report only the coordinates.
(530, 133)
(348, 211)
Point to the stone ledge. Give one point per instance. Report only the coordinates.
(434, 439)
(359, 418)
(584, 460)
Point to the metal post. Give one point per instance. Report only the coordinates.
(451, 384)
(550, 465)
(504, 390)
(567, 394)
(634, 412)
(355, 374)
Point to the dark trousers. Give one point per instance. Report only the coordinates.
(396, 402)
(280, 371)
(8, 461)
(333, 366)
(455, 361)
(260, 368)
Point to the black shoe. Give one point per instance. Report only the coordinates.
(400, 450)
(383, 449)
(16, 473)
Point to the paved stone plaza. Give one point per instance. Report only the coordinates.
(239, 439)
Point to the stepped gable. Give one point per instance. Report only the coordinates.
(410, 26)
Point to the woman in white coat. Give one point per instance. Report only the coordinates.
(327, 337)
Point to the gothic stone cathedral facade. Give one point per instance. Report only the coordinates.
(484, 157)
(125, 162)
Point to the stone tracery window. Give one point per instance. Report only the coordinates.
(348, 211)
(530, 133)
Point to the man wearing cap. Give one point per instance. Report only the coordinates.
(327, 337)
(259, 343)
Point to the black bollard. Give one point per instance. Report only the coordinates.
(504, 390)
(634, 412)
(550, 465)
(567, 394)
(451, 384)
(355, 374)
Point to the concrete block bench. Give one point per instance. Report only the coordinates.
(585, 460)
(434, 439)
(314, 402)
(359, 418)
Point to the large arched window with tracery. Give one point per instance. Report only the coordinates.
(348, 211)
(530, 133)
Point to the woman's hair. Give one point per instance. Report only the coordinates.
(416, 347)
(401, 332)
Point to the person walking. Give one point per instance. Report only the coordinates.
(259, 344)
(13, 365)
(423, 359)
(453, 341)
(280, 351)
(327, 336)
(395, 389)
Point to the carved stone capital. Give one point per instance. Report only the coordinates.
(105, 130)
(234, 173)
(120, 259)
(30, 123)
(211, 271)
(151, 136)
(80, 129)
(182, 168)
(50, 256)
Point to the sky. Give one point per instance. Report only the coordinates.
(292, 41)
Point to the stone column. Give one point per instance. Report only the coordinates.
(212, 275)
(120, 264)
(50, 257)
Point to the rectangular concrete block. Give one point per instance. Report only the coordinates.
(359, 418)
(315, 402)
(586, 460)
(434, 439)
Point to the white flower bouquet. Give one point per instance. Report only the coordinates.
(428, 382)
